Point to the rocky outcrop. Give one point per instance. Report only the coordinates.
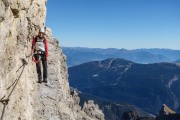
(167, 114)
(19, 22)
(92, 110)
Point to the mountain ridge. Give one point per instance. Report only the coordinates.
(78, 55)
(129, 82)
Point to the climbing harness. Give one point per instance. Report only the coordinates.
(34, 60)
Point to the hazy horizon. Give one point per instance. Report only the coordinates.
(115, 48)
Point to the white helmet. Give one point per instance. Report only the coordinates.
(43, 29)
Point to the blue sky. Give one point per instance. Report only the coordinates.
(129, 24)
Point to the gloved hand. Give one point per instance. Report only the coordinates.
(32, 58)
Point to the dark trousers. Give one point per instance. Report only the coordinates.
(38, 66)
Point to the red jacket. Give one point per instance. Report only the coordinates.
(45, 45)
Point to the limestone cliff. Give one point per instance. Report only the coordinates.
(19, 22)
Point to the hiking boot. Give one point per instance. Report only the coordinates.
(45, 81)
(39, 81)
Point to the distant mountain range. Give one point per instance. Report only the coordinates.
(147, 86)
(177, 61)
(79, 55)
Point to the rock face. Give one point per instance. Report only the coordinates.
(19, 22)
(167, 114)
